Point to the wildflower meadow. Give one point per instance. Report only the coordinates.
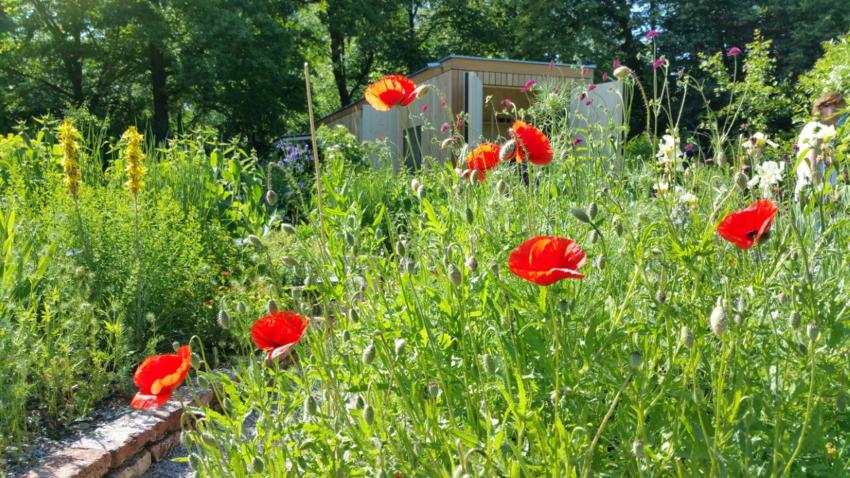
(660, 295)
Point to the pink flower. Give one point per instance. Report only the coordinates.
(528, 85)
(551, 66)
(734, 51)
(442, 103)
(658, 63)
(615, 63)
(445, 127)
(508, 104)
(459, 122)
(577, 141)
(582, 96)
(425, 107)
(591, 87)
(583, 71)
(604, 76)
(588, 102)
(651, 34)
(689, 147)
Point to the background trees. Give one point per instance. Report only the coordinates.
(235, 65)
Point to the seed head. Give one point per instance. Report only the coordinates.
(369, 354)
(472, 263)
(223, 319)
(717, 320)
(400, 347)
(813, 331)
(686, 337)
(455, 275)
(271, 198)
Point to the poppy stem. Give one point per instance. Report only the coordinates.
(315, 157)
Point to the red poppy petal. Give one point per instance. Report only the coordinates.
(532, 143)
(146, 401)
(389, 91)
(545, 260)
(278, 329)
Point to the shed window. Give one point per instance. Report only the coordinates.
(413, 147)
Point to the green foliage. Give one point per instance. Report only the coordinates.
(831, 73)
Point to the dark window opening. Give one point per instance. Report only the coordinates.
(413, 148)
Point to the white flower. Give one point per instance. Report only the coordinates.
(768, 174)
(825, 133)
(757, 142)
(668, 151)
(688, 198)
(621, 72)
(662, 186)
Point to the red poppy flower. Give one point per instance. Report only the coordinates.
(278, 332)
(389, 91)
(545, 260)
(531, 142)
(159, 375)
(483, 158)
(746, 227)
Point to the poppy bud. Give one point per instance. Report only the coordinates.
(660, 296)
(470, 216)
(738, 319)
(420, 191)
(494, 268)
(459, 472)
(448, 141)
(175, 345)
(241, 307)
(783, 297)
(311, 406)
(686, 337)
(369, 354)
(621, 72)
(401, 248)
(271, 197)
(455, 275)
(794, 320)
(253, 239)
(508, 150)
(289, 261)
(501, 187)
(409, 266)
(637, 448)
(223, 319)
(813, 331)
(720, 157)
(472, 263)
(489, 364)
(257, 465)
(346, 336)
(287, 228)
(368, 414)
(414, 184)
(272, 306)
(592, 210)
(636, 360)
(599, 261)
(617, 224)
(348, 237)
(473, 176)
(400, 347)
(717, 320)
(741, 181)
(580, 214)
(593, 236)
(195, 461)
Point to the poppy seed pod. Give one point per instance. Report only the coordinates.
(508, 150)
(580, 214)
(717, 320)
(223, 319)
(369, 354)
(813, 331)
(400, 347)
(272, 306)
(472, 263)
(455, 275)
(621, 72)
(271, 198)
(255, 241)
(686, 337)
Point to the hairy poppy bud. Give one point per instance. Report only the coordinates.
(414, 184)
(592, 210)
(289, 261)
(494, 268)
(472, 263)
(501, 187)
(593, 236)
(433, 389)
(720, 157)
(741, 181)
(813, 331)
(175, 345)
(400, 347)
(489, 364)
(686, 337)
(621, 72)
(474, 175)
(717, 320)
(617, 224)
(287, 228)
(783, 297)
(660, 296)
(311, 406)
(637, 448)
(455, 275)
(368, 414)
(272, 306)
(253, 239)
(738, 319)
(470, 216)
(580, 214)
(223, 319)
(636, 360)
(507, 151)
(369, 354)
(794, 320)
(257, 465)
(420, 191)
(271, 197)
(241, 307)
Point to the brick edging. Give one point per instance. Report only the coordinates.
(126, 446)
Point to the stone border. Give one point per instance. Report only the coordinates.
(126, 446)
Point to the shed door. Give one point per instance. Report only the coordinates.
(474, 108)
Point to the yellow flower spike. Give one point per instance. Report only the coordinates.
(68, 136)
(133, 156)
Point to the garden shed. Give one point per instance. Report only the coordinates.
(477, 88)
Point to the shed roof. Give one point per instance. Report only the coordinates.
(476, 63)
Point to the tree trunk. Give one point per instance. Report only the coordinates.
(74, 64)
(338, 65)
(159, 76)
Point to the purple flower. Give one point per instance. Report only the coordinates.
(445, 127)
(528, 85)
(425, 107)
(658, 63)
(460, 122)
(577, 141)
(651, 34)
(591, 87)
(588, 102)
(689, 147)
(604, 76)
(734, 51)
(582, 96)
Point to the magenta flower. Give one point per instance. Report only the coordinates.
(551, 66)
(734, 51)
(460, 122)
(443, 103)
(588, 102)
(508, 104)
(651, 34)
(581, 97)
(615, 63)
(658, 63)
(689, 147)
(583, 71)
(528, 85)
(425, 107)
(577, 141)
(604, 76)
(591, 87)
(445, 127)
